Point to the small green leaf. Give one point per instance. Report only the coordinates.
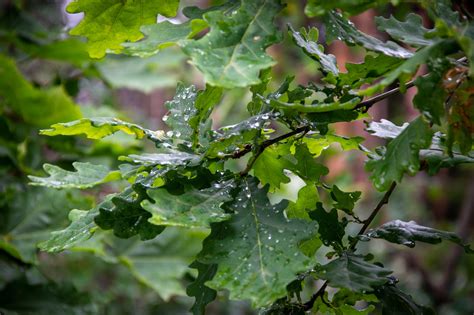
(265, 242)
(162, 35)
(331, 230)
(107, 24)
(87, 175)
(308, 196)
(169, 158)
(410, 31)
(344, 200)
(203, 294)
(270, 167)
(193, 209)
(401, 156)
(317, 7)
(317, 107)
(340, 28)
(407, 233)
(181, 110)
(233, 52)
(353, 272)
(318, 143)
(306, 166)
(308, 41)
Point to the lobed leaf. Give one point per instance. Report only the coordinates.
(203, 294)
(87, 175)
(265, 241)
(107, 24)
(410, 31)
(192, 209)
(401, 156)
(233, 52)
(351, 271)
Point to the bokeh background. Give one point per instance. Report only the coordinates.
(135, 89)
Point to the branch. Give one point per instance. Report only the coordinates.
(371, 101)
(259, 149)
(308, 305)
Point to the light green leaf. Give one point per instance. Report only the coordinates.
(269, 167)
(318, 143)
(410, 31)
(338, 27)
(87, 175)
(401, 156)
(108, 23)
(162, 35)
(308, 196)
(344, 200)
(233, 52)
(353, 272)
(407, 233)
(97, 128)
(193, 209)
(36, 106)
(158, 71)
(265, 242)
(317, 107)
(317, 7)
(162, 263)
(308, 41)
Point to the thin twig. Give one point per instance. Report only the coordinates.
(308, 305)
(371, 101)
(259, 149)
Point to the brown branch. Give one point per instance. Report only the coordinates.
(371, 101)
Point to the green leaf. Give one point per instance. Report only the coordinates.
(308, 41)
(371, 69)
(407, 233)
(317, 107)
(410, 31)
(173, 158)
(318, 143)
(36, 106)
(96, 128)
(31, 215)
(440, 49)
(162, 35)
(338, 27)
(87, 175)
(181, 110)
(396, 302)
(437, 159)
(145, 75)
(21, 297)
(308, 196)
(193, 209)
(351, 271)
(305, 167)
(162, 263)
(330, 229)
(401, 156)
(233, 52)
(316, 7)
(344, 200)
(127, 218)
(265, 242)
(270, 167)
(107, 24)
(203, 294)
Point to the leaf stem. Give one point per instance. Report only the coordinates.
(308, 305)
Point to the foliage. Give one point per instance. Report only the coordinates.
(204, 198)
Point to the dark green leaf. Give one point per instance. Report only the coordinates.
(410, 32)
(127, 218)
(233, 52)
(353, 272)
(344, 200)
(203, 294)
(330, 229)
(407, 233)
(401, 156)
(396, 302)
(265, 242)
